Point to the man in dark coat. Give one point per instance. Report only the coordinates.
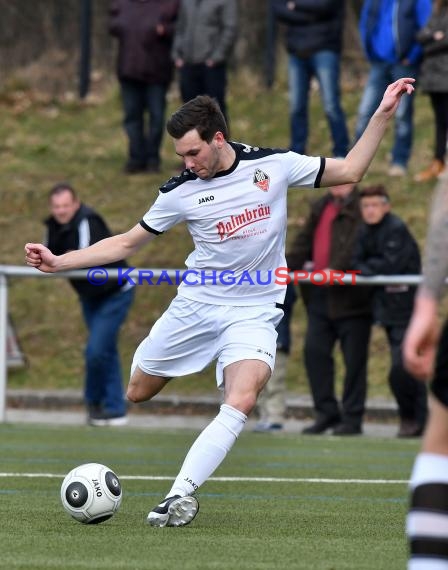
(144, 29)
(72, 225)
(386, 247)
(206, 32)
(334, 313)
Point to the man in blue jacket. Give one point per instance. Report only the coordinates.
(388, 31)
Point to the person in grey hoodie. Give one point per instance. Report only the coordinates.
(205, 33)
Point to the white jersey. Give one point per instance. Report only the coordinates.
(237, 220)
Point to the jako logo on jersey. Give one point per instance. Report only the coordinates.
(261, 180)
(235, 223)
(206, 199)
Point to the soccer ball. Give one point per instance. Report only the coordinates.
(91, 493)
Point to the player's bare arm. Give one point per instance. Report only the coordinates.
(100, 253)
(435, 269)
(357, 161)
(420, 345)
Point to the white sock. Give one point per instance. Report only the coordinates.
(427, 520)
(209, 450)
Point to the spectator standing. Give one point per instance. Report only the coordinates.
(206, 31)
(434, 81)
(272, 400)
(314, 43)
(73, 225)
(386, 247)
(388, 31)
(335, 313)
(144, 30)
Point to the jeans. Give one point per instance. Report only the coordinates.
(324, 65)
(380, 76)
(103, 381)
(144, 141)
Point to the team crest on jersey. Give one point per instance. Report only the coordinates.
(261, 180)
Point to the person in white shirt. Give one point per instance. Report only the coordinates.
(233, 198)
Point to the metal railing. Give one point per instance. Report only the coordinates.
(7, 271)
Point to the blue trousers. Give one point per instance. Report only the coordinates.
(103, 377)
(380, 76)
(324, 65)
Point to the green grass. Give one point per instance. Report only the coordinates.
(43, 142)
(244, 524)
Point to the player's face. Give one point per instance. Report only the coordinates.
(373, 209)
(63, 207)
(200, 157)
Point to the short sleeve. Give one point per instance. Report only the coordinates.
(164, 213)
(304, 170)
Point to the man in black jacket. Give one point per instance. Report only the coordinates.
(386, 247)
(73, 225)
(336, 313)
(314, 43)
(144, 31)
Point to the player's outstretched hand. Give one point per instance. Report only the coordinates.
(39, 256)
(421, 340)
(393, 94)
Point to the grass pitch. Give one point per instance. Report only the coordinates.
(280, 501)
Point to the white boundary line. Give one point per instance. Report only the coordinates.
(230, 479)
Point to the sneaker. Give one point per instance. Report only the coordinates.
(397, 170)
(268, 427)
(174, 511)
(104, 419)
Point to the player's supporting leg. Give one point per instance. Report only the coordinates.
(272, 400)
(243, 382)
(427, 521)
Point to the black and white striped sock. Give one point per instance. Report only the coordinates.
(427, 521)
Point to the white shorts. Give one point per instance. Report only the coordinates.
(190, 335)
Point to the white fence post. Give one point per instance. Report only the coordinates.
(3, 345)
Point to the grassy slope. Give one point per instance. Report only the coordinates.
(44, 142)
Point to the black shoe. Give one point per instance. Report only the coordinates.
(133, 168)
(153, 168)
(347, 429)
(410, 428)
(320, 426)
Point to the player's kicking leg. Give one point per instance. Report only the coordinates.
(243, 382)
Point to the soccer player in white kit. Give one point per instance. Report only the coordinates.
(233, 199)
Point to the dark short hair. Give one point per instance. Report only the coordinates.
(371, 191)
(62, 187)
(201, 113)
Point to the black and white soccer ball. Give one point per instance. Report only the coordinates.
(91, 493)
